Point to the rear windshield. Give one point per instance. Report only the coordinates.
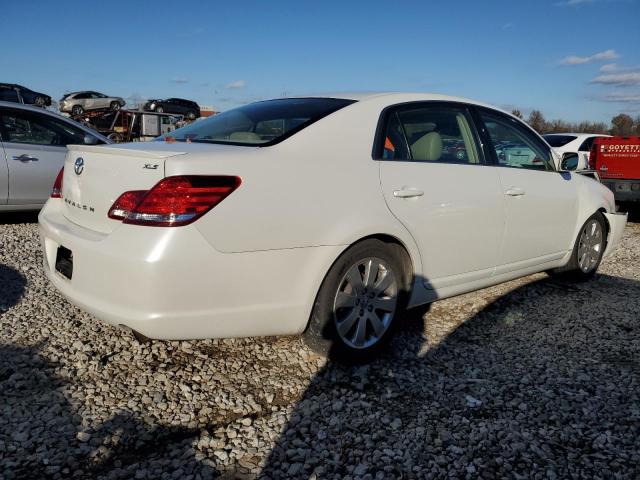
(260, 123)
(559, 140)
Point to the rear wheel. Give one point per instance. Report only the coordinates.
(77, 110)
(191, 115)
(354, 314)
(159, 110)
(587, 251)
(40, 101)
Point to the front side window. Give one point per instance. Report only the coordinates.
(514, 145)
(430, 133)
(34, 129)
(260, 123)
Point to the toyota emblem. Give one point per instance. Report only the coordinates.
(79, 165)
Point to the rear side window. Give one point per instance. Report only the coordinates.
(430, 133)
(586, 145)
(261, 123)
(559, 140)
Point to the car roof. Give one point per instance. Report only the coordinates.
(31, 108)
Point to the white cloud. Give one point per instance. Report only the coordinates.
(596, 57)
(609, 67)
(620, 79)
(180, 80)
(236, 84)
(633, 98)
(508, 25)
(573, 3)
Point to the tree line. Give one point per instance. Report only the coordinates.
(622, 124)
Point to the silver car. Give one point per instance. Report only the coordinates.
(79, 102)
(33, 145)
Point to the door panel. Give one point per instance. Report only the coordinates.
(457, 223)
(541, 220)
(30, 181)
(541, 203)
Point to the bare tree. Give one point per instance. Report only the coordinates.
(517, 113)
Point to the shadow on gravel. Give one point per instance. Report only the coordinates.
(544, 382)
(12, 285)
(19, 217)
(42, 436)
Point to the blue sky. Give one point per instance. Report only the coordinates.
(572, 59)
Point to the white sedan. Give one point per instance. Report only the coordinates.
(579, 143)
(326, 216)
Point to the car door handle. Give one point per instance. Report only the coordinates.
(24, 158)
(514, 192)
(407, 193)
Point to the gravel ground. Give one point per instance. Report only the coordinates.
(529, 379)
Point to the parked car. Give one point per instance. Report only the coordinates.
(180, 106)
(617, 161)
(579, 143)
(331, 228)
(33, 145)
(10, 92)
(79, 102)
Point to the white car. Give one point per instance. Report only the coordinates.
(33, 146)
(579, 143)
(325, 216)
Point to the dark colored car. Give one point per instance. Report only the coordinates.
(180, 106)
(10, 92)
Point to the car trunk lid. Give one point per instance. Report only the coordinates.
(95, 176)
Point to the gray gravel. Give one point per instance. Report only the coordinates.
(531, 379)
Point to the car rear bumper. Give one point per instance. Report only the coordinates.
(617, 223)
(169, 283)
(624, 190)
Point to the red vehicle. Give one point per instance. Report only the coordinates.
(617, 161)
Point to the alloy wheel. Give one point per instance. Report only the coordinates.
(365, 303)
(590, 246)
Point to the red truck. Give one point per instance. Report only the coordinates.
(617, 161)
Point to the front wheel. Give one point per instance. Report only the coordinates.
(587, 251)
(77, 110)
(159, 110)
(354, 314)
(115, 106)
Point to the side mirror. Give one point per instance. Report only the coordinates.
(90, 140)
(569, 161)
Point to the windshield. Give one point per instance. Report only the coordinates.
(260, 123)
(559, 140)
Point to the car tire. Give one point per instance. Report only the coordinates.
(587, 251)
(40, 101)
(345, 324)
(77, 110)
(191, 116)
(115, 106)
(115, 137)
(159, 110)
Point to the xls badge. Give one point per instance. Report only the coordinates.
(78, 167)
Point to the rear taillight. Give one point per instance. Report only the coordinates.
(174, 201)
(125, 204)
(56, 191)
